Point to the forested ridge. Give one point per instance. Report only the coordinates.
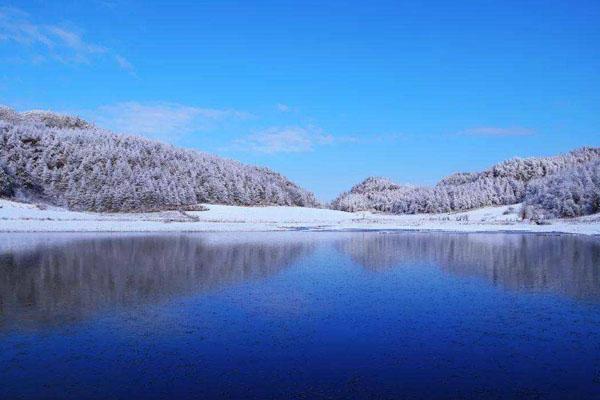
(66, 161)
(566, 185)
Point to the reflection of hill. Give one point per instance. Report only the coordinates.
(562, 264)
(71, 279)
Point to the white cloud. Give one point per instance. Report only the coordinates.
(497, 132)
(124, 64)
(164, 121)
(45, 42)
(73, 40)
(291, 139)
(283, 108)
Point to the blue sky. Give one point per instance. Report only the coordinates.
(326, 94)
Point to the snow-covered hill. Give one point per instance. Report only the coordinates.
(567, 185)
(65, 161)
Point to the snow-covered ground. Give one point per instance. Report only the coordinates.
(21, 217)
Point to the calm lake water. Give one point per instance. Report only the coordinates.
(299, 315)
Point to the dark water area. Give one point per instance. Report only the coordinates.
(299, 315)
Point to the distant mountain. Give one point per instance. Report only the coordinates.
(567, 185)
(66, 161)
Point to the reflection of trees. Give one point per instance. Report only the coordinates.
(68, 279)
(556, 263)
(54, 283)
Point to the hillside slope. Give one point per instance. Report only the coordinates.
(567, 185)
(68, 162)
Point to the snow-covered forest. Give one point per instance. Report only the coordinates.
(66, 161)
(572, 192)
(561, 186)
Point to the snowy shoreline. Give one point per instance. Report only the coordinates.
(22, 217)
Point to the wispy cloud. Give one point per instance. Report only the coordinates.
(163, 121)
(497, 132)
(124, 64)
(374, 138)
(48, 42)
(290, 139)
(301, 139)
(284, 108)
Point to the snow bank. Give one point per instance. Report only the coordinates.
(20, 217)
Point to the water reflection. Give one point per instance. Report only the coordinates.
(240, 326)
(68, 278)
(52, 279)
(562, 264)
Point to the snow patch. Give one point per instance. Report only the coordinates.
(21, 217)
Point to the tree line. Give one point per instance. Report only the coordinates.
(68, 162)
(567, 185)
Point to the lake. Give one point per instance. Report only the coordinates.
(299, 315)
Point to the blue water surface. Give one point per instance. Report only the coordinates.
(299, 315)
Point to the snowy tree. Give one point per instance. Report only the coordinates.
(68, 162)
(570, 193)
(6, 184)
(542, 181)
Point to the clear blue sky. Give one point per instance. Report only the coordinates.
(326, 94)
